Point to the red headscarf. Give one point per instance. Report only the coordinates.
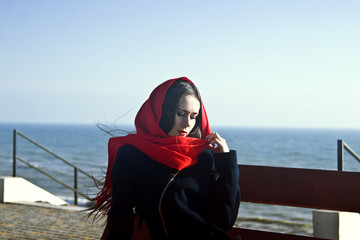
(175, 152)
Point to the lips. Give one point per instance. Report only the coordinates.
(182, 133)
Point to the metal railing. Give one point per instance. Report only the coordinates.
(341, 145)
(76, 169)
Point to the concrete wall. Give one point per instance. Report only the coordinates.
(16, 189)
(336, 225)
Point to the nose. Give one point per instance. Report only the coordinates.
(186, 121)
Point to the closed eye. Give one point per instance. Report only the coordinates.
(194, 116)
(181, 113)
(184, 113)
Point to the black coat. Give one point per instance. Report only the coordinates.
(198, 202)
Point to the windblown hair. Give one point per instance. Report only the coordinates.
(174, 94)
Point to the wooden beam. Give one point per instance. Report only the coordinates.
(309, 188)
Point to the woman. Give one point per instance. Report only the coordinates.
(176, 175)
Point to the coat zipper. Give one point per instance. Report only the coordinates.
(160, 202)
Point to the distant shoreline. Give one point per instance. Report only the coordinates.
(128, 125)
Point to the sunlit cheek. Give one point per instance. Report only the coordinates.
(192, 124)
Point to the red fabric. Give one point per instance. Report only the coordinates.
(174, 152)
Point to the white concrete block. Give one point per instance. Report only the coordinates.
(16, 189)
(336, 225)
(349, 228)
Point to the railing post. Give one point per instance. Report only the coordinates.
(340, 153)
(14, 153)
(75, 186)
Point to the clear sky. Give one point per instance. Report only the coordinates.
(256, 63)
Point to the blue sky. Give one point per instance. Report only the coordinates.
(256, 63)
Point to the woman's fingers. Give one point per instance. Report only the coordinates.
(217, 143)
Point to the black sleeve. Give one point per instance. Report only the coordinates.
(226, 191)
(120, 221)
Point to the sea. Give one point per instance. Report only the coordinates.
(86, 147)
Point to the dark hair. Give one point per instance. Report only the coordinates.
(178, 89)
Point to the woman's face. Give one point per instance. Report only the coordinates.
(185, 118)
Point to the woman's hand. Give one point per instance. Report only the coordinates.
(217, 144)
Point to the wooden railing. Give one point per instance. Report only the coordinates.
(306, 188)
